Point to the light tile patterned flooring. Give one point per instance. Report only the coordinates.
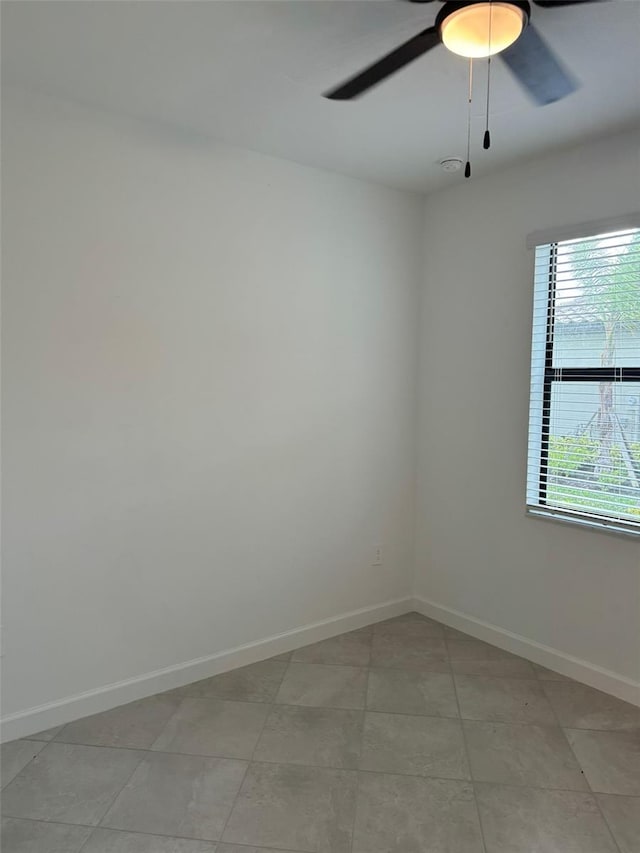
(403, 737)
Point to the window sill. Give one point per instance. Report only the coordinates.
(616, 528)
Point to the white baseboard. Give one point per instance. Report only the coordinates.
(33, 720)
(581, 670)
(42, 717)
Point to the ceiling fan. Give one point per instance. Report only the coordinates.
(474, 29)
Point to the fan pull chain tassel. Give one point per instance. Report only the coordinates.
(486, 142)
(467, 168)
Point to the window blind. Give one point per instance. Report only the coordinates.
(584, 426)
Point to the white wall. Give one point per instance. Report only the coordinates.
(209, 397)
(574, 590)
(209, 382)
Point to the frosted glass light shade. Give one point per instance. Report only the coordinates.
(466, 31)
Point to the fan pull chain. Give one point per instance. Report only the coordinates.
(467, 168)
(486, 142)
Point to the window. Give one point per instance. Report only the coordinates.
(584, 424)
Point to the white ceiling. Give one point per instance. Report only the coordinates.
(251, 73)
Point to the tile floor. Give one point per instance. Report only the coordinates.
(403, 737)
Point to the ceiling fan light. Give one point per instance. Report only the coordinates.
(466, 31)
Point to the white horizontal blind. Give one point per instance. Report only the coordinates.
(584, 426)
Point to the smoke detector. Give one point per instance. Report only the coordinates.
(451, 164)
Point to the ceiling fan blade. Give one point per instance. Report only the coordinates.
(537, 69)
(386, 66)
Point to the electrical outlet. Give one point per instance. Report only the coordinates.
(376, 555)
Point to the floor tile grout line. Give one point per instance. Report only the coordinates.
(253, 752)
(330, 663)
(253, 847)
(131, 832)
(366, 709)
(535, 676)
(31, 819)
(41, 739)
(136, 832)
(59, 739)
(29, 739)
(30, 761)
(633, 731)
(364, 718)
(240, 786)
(497, 677)
(369, 710)
(88, 838)
(542, 788)
(594, 794)
(465, 780)
(168, 722)
(358, 773)
(272, 705)
(586, 778)
(355, 771)
(110, 806)
(143, 758)
(468, 757)
(111, 802)
(414, 669)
